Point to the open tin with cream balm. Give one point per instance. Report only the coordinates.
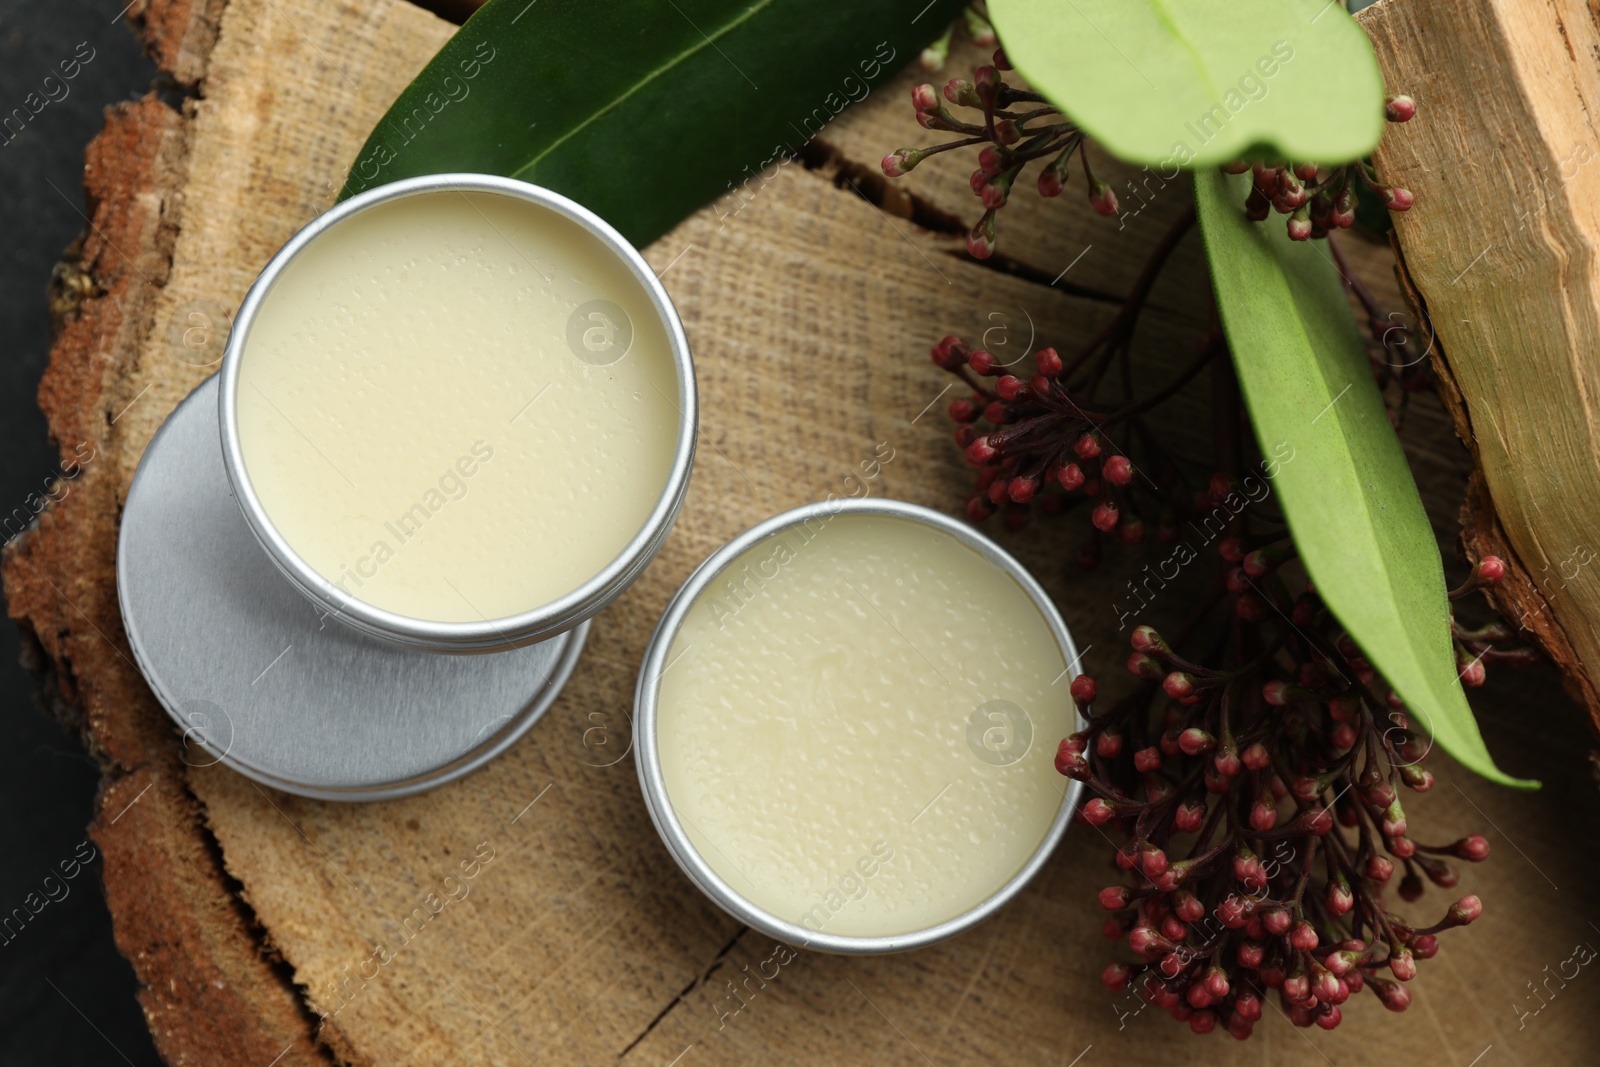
(458, 411)
(457, 414)
(846, 724)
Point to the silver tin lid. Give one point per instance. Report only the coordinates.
(653, 782)
(260, 680)
(535, 624)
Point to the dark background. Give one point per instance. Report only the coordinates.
(47, 781)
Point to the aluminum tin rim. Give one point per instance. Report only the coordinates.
(653, 783)
(537, 623)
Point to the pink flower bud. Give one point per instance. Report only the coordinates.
(1250, 954)
(1399, 108)
(1116, 977)
(1256, 757)
(1395, 996)
(1021, 490)
(1278, 693)
(1263, 816)
(1105, 517)
(1248, 1006)
(1227, 761)
(1425, 946)
(924, 98)
(1178, 685)
(1102, 199)
(980, 242)
(980, 452)
(1147, 759)
(1144, 667)
(1194, 740)
(1051, 182)
(1379, 869)
(1187, 907)
(1109, 745)
(1328, 1017)
(1304, 937)
(1465, 910)
(1247, 869)
(1010, 387)
(899, 162)
(1402, 963)
(1146, 942)
(1339, 897)
(1491, 570)
(1097, 812)
(1114, 897)
(1189, 817)
(960, 92)
(1394, 821)
(1070, 761)
(1153, 860)
(1306, 789)
(1117, 470)
(1473, 848)
(1083, 689)
(1397, 199)
(1300, 225)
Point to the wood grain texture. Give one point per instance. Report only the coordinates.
(1500, 253)
(264, 925)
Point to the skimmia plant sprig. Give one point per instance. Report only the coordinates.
(1256, 771)
(1016, 127)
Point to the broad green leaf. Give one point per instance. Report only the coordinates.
(1176, 83)
(1342, 478)
(641, 110)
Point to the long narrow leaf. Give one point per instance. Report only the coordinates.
(641, 111)
(1347, 491)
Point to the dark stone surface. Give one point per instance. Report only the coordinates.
(66, 996)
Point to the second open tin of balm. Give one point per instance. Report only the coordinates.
(846, 722)
(458, 412)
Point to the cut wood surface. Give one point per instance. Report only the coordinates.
(268, 929)
(1501, 253)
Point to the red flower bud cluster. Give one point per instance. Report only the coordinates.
(1319, 200)
(1261, 806)
(1037, 440)
(1017, 126)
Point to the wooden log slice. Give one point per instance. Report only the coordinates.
(267, 929)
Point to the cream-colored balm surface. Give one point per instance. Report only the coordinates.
(857, 726)
(443, 412)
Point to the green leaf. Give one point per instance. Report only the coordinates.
(1175, 83)
(1341, 476)
(641, 111)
